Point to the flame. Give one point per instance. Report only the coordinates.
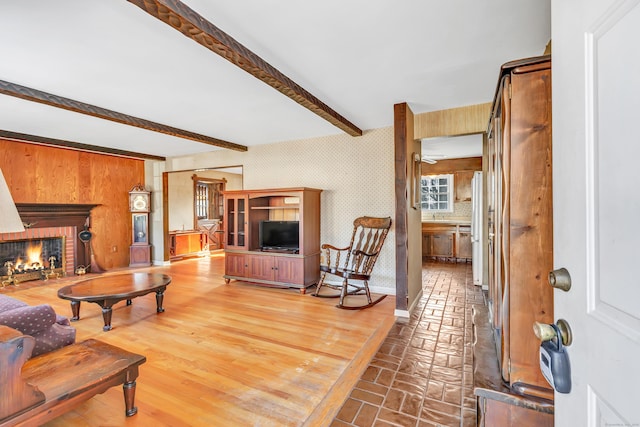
(34, 253)
(33, 261)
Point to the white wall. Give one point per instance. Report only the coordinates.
(356, 175)
(153, 182)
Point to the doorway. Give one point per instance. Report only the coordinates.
(449, 203)
(192, 206)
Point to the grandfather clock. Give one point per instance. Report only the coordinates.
(139, 205)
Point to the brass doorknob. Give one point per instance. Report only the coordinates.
(546, 332)
(560, 279)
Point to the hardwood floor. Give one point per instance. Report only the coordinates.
(226, 355)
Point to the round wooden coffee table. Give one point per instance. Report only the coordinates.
(108, 290)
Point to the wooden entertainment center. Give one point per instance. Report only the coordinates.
(245, 260)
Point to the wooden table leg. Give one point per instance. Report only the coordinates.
(159, 298)
(75, 310)
(129, 389)
(106, 315)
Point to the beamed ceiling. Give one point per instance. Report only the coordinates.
(164, 78)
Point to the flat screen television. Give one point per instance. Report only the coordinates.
(279, 235)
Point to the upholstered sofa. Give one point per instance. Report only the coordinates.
(50, 330)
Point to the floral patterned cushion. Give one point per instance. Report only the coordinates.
(51, 331)
(29, 319)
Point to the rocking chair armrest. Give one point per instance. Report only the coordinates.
(328, 246)
(359, 252)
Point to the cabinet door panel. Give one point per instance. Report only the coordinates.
(235, 222)
(140, 255)
(442, 245)
(182, 246)
(235, 264)
(290, 270)
(463, 185)
(464, 245)
(241, 223)
(188, 244)
(260, 267)
(195, 243)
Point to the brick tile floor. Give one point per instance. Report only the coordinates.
(422, 374)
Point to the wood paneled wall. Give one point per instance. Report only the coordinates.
(453, 165)
(455, 121)
(40, 174)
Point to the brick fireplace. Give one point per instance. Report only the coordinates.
(65, 221)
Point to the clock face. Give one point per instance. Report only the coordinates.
(140, 202)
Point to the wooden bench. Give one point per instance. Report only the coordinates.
(37, 390)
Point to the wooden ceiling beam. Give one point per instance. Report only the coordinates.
(34, 139)
(194, 26)
(30, 94)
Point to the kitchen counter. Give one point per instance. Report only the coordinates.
(447, 238)
(184, 243)
(185, 231)
(448, 221)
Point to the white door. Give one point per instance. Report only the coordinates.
(596, 180)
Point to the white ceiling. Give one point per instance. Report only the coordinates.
(358, 56)
(452, 148)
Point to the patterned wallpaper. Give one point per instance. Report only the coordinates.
(356, 175)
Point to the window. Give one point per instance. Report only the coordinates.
(207, 198)
(436, 194)
(202, 200)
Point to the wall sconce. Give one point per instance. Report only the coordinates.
(10, 221)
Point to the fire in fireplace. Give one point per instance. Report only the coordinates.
(48, 221)
(31, 259)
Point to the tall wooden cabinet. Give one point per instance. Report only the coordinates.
(520, 230)
(245, 260)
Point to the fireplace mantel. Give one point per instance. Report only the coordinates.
(53, 214)
(36, 215)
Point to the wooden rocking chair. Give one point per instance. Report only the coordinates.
(359, 258)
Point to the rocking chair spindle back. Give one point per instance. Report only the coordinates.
(369, 234)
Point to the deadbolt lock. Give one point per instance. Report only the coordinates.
(560, 279)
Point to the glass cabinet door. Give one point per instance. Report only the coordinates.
(236, 221)
(231, 219)
(241, 222)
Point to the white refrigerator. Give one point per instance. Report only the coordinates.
(476, 227)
